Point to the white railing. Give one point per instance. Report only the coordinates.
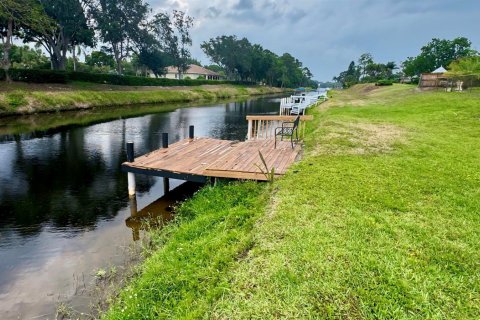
(296, 104)
(263, 127)
(285, 106)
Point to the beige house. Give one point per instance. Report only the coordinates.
(194, 72)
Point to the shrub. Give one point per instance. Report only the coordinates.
(38, 76)
(116, 79)
(384, 83)
(51, 76)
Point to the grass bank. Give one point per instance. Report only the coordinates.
(21, 99)
(380, 220)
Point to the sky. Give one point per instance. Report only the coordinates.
(327, 34)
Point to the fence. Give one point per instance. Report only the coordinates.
(263, 127)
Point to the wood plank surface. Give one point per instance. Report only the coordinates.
(220, 158)
(186, 156)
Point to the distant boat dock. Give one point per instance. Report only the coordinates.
(299, 102)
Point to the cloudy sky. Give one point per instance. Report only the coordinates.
(327, 34)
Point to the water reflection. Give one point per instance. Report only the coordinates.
(159, 212)
(64, 202)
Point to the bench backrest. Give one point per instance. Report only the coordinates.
(296, 122)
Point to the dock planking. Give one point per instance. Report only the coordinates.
(201, 158)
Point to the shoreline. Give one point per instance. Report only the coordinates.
(23, 99)
(48, 122)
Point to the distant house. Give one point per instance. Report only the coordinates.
(194, 72)
(434, 79)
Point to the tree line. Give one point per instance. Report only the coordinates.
(132, 39)
(125, 28)
(435, 54)
(245, 61)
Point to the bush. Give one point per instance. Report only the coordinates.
(384, 83)
(116, 79)
(51, 76)
(38, 76)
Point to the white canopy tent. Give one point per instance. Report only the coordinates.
(440, 70)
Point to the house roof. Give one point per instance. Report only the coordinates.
(440, 70)
(193, 69)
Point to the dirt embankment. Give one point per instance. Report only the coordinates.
(22, 98)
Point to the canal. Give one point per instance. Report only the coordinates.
(64, 207)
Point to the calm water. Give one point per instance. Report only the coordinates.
(64, 207)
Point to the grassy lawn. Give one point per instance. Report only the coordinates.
(381, 219)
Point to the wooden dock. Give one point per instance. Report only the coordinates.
(205, 159)
(200, 159)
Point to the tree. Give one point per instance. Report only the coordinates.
(465, 66)
(366, 71)
(27, 58)
(292, 72)
(183, 24)
(270, 73)
(155, 60)
(100, 59)
(194, 61)
(242, 60)
(364, 61)
(466, 69)
(215, 68)
(220, 51)
(173, 35)
(16, 16)
(70, 29)
(261, 62)
(349, 77)
(119, 23)
(437, 53)
(232, 54)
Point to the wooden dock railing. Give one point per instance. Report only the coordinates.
(263, 127)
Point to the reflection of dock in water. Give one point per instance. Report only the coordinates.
(159, 212)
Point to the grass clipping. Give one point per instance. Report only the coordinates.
(351, 138)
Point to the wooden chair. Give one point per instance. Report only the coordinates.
(288, 129)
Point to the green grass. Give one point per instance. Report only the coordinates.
(21, 100)
(188, 272)
(381, 220)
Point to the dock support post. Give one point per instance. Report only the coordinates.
(166, 181)
(213, 181)
(249, 132)
(131, 176)
(133, 206)
(133, 213)
(164, 140)
(191, 132)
